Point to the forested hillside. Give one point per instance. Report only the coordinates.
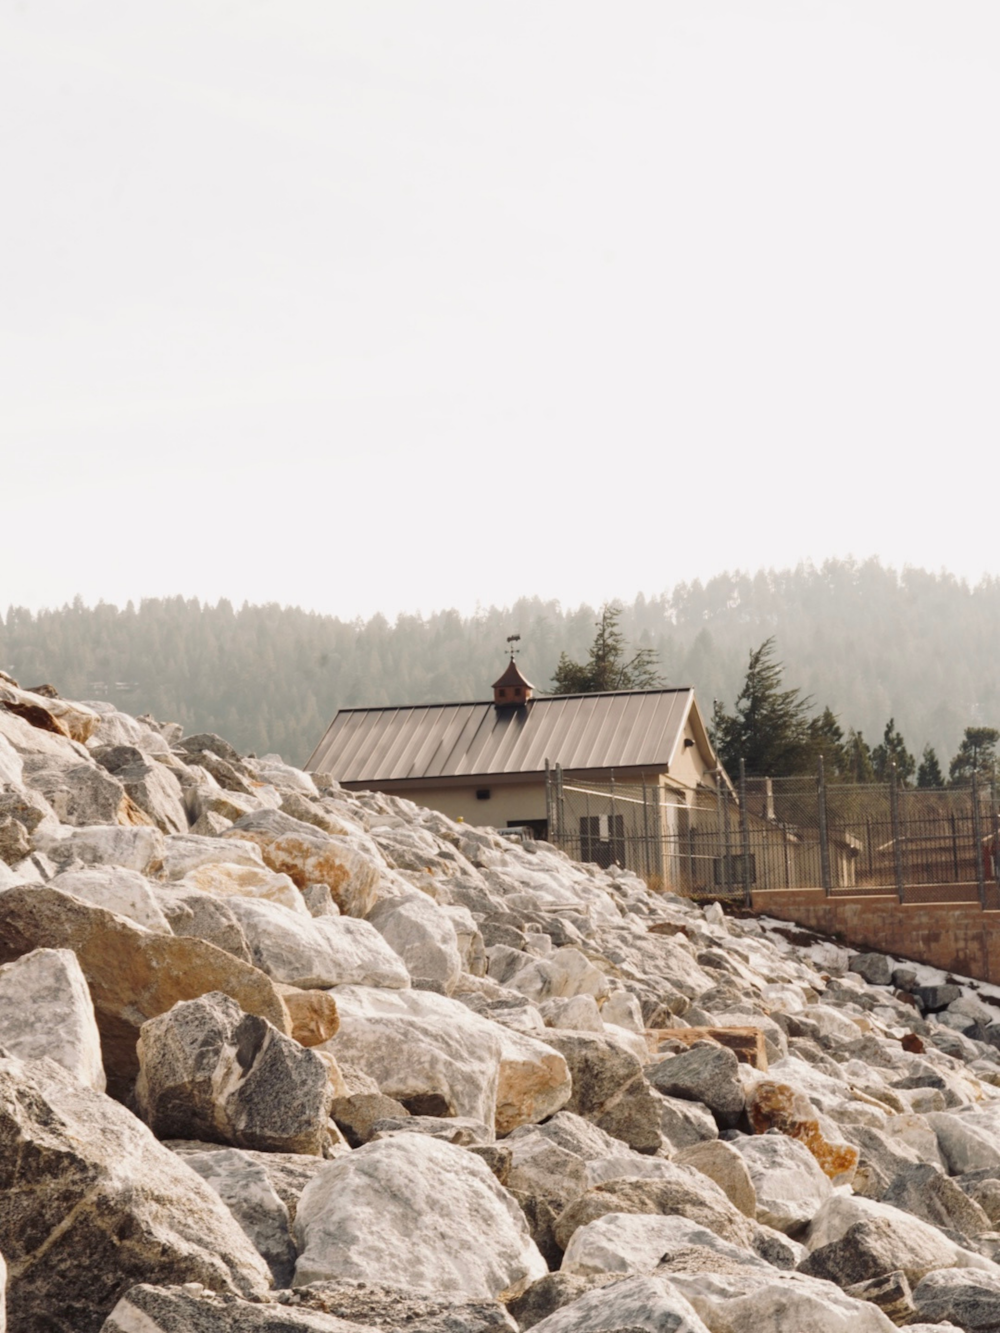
(870, 642)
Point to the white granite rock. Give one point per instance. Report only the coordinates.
(578, 1014)
(635, 1305)
(564, 974)
(184, 852)
(46, 1010)
(125, 892)
(420, 1048)
(417, 1213)
(138, 849)
(758, 1299)
(636, 1243)
(226, 878)
(316, 952)
(244, 1186)
(917, 1247)
(789, 1183)
(423, 935)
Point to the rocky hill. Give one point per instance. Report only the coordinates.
(278, 1057)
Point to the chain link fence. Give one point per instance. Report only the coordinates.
(787, 833)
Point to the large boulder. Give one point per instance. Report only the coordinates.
(600, 1067)
(133, 974)
(779, 1106)
(723, 1164)
(151, 785)
(209, 1071)
(46, 1010)
(637, 1242)
(681, 1191)
(244, 1186)
(138, 849)
(436, 1056)
(91, 1204)
(80, 791)
(926, 1192)
(425, 1050)
(226, 878)
(191, 912)
(638, 1304)
(173, 1309)
(309, 856)
(751, 1298)
(555, 1160)
(708, 1074)
(420, 1214)
(125, 892)
(302, 950)
(896, 1241)
(789, 1182)
(970, 1300)
(423, 935)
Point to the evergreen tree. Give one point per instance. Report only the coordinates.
(826, 740)
(768, 729)
(608, 666)
(929, 773)
(976, 754)
(893, 754)
(858, 758)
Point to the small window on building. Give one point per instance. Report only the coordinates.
(502, 694)
(482, 793)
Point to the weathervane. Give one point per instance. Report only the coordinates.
(512, 639)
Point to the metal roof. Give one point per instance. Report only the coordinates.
(625, 729)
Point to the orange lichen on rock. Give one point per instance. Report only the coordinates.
(778, 1106)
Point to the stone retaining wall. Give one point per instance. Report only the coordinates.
(959, 937)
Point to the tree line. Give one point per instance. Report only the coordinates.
(771, 732)
(873, 643)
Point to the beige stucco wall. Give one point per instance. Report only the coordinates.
(507, 804)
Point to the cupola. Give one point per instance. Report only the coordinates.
(512, 690)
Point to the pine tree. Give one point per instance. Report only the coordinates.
(768, 729)
(857, 758)
(608, 666)
(929, 773)
(826, 740)
(892, 755)
(976, 754)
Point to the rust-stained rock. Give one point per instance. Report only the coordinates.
(133, 974)
(747, 1043)
(778, 1106)
(309, 856)
(912, 1043)
(313, 1014)
(48, 712)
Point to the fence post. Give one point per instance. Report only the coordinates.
(745, 834)
(977, 833)
(560, 809)
(824, 840)
(645, 831)
(721, 795)
(549, 830)
(897, 831)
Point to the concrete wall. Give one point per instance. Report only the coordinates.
(959, 937)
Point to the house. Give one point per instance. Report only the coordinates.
(593, 764)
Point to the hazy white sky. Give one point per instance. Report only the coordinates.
(379, 305)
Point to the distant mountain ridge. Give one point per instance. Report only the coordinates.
(870, 641)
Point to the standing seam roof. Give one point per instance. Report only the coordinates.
(625, 729)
